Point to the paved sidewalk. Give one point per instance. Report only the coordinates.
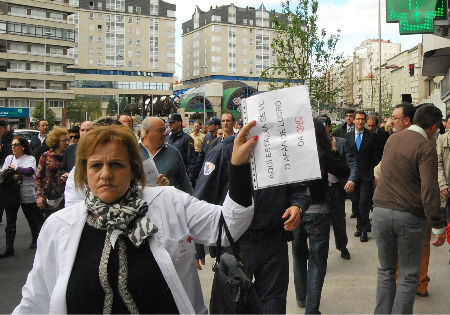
(350, 286)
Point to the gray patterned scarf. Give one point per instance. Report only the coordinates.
(126, 217)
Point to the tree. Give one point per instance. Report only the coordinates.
(304, 53)
(80, 107)
(124, 106)
(38, 114)
(112, 107)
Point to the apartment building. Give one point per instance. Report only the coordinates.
(397, 79)
(125, 48)
(35, 36)
(227, 43)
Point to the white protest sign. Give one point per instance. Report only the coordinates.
(286, 151)
(151, 172)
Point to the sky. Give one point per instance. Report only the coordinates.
(357, 21)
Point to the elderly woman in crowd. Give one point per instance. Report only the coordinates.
(49, 180)
(126, 249)
(22, 166)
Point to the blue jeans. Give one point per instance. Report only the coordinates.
(309, 276)
(400, 237)
(268, 262)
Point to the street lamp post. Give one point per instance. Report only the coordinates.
(46, 35)
(204, 94)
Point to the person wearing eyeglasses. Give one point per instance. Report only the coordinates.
(74, 135)
(50, 182)
(18, 191)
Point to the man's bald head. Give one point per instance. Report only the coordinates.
(126, 120)
(85, 127)
(153, 133)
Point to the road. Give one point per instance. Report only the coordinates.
(349, 285)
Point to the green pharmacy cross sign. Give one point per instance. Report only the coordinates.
(415, 16)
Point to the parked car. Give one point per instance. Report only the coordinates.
(26, 133)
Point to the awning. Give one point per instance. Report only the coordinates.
(436, 62)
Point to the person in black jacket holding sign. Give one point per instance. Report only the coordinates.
(310, 264)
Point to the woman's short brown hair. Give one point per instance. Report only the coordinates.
(54, 135)
(25, 144)
(104, 135)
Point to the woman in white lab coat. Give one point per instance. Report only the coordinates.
(126, 250)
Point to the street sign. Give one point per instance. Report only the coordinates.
(415, 16)
(14, 112)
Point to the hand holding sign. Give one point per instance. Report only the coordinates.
(286, 151)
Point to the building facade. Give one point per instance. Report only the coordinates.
(397, 79)
(35, 36)
(227, 43)
(125, 48)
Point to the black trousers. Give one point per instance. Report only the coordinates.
(361, 203)
(33, 215)
(336, 206)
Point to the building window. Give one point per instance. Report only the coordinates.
(138, 10)
(130, 19)
(244, 21)
(138, 64)
(250, 22)
(18, 11)
(130, 42)
(99, 51)
(91, 16)
(232, 14)
(99, 39)
(91, 62)
(138, 31)
(91, 39)
(130, 64)
(216, 18)
(138, 53)
(130, 53)
(154, 7)
(99, 16)
(90, 50)
(91, 27)
(99, 5)
(56, 16)
(138, 20)
(170, 13)
(99, 28)
(138, 42)
(91, 5)
(130, 9)
(99, 62)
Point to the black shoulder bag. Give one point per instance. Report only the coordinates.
(232, 291)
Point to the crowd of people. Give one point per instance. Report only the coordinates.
(131, 248)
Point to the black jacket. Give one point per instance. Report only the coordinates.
(5, 146)
(69, 158)
(381, 137)
(38, 147)
(342, 130)
(270, 203)
(366, 156)
(185, 145)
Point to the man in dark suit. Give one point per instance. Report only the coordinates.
(38, 144)
(348, 126)
(362, 142)
(381, 136)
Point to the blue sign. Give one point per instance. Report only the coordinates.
(14, 112)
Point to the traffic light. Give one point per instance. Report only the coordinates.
(411, 70)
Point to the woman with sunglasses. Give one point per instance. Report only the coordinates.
(50, 183)
(23, 164)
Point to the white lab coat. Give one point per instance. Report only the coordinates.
(180, 219)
